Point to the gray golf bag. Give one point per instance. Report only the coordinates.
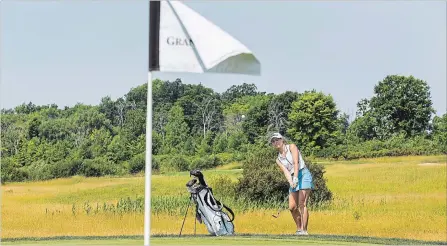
(209, 210)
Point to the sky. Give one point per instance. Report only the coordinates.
(69, 52)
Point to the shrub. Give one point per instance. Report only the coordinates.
(66, 168)
(155, 164)
(225, 157)
(220, 143)
(39, 170)
(138, 163)
(239, 156)
(97, 167)
(207, 162)
(321, 194)
(10, 172)
(335, 151)
(177, 163)
(15, 175)
(223, 187)
(198, 163)
(396, 145)
(263, 181)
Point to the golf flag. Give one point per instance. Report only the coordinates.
(181, 40)
(184, 41)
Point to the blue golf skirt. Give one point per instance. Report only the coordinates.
(305, 180)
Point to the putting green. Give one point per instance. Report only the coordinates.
(240, 240)
(186, 241)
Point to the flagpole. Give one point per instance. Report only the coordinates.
(148, 169)
(248, 65)
(154, 65)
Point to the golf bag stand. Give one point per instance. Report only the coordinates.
(184, 218)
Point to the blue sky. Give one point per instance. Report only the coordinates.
(66, 52)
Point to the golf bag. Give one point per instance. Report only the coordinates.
(209, 210)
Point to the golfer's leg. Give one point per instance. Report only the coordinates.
(303, 198)
(293, 201)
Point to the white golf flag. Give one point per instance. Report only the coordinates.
(181, 40)
(190, 43)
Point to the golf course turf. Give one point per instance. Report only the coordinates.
(243, 239)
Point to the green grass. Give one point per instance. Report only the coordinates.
(382, 160)
(230, 166)
(239, 240)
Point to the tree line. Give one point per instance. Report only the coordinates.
(196, 127)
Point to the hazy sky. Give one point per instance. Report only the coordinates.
(66, 52)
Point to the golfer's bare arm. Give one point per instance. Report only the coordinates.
(284, 170)
(295, 152)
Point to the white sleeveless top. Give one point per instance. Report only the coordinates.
(287, 161)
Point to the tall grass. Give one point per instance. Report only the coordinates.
(386, 197)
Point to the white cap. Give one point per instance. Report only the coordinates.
(275, 135)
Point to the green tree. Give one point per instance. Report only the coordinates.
(56, 129)
(138, 97)
(98, 141)
(313, 121)
(201, 107)
(210, 115)
(239, 91)
(157, 143)
(256, 120)
(26, 108)
(108, 108)
(160, 119)
(13, 133)
(237, 140)
(279, 109)
(234, 114)
(33, 127)
(122, 106)
(440, 131)
(399, 104)
(176, 130)
(117, 150)
(342, 129)
(205, 146)
(134, 124)
(361, 129)
(220, 143)
(190, 146)
(166, 92)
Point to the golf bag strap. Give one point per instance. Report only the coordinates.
(218, 203)
(230, 211)
(227, 208)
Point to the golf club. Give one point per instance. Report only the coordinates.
(279, 210)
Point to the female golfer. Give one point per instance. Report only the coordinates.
(291, 163)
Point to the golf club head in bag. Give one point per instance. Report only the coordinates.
(209, 210)
(199, 175)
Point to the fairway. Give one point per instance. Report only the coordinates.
(188, 241)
